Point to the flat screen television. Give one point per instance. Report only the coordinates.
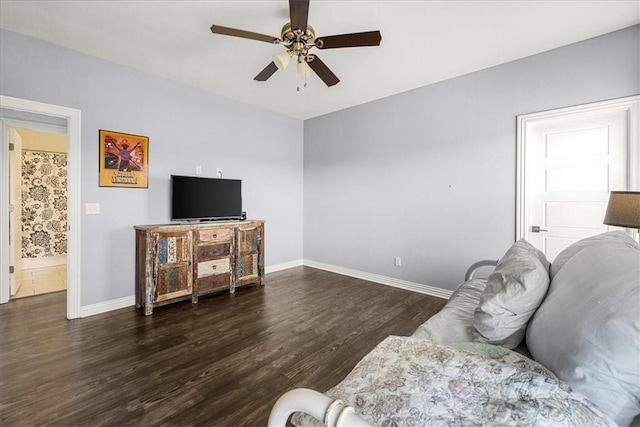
(197, 198)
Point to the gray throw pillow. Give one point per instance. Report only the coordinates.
(514, 291)
(587, 330)
(454, 323)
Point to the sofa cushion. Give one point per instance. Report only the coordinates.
(572, 250)
(587, 330)
(454, 323)
(514, 291)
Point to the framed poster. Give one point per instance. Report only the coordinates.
(124, 160)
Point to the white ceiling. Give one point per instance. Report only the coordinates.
(422, 41)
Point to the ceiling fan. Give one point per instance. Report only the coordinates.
(298, 37)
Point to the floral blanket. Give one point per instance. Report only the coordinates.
(412, 382)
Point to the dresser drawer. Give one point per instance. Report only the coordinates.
(210, 251)
(212, 235)
(213, 267)
(213, 283)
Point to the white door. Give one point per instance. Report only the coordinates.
(569, 161)
(15, 217)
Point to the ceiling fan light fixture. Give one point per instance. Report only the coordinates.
(282, 59)
(303, 69)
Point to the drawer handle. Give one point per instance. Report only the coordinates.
(213, 267)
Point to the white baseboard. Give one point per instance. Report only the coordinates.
(41, 262)
(390, 281)
(116, 304)
(283, 266)
(103, 307)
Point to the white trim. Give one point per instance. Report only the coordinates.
(103, 307)
(630, 104)
(283, 266)
(634, 146)
(634, 155)
(521, 216)
(73, 118)
(389, 281)
(40, 127)
(43, 262)
(129, 301)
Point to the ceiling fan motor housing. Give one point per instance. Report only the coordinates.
(296, 42)
(290, 35)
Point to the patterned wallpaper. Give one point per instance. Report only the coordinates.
(44, 204)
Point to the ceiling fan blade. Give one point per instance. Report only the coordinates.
(267, 72)
(323, 71)
(299, 14)
(367, 38)
(218, 29)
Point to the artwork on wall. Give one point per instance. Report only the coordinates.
(124, 160)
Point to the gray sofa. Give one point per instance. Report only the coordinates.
(578, 317)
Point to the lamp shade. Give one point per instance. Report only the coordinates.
(623, 209)
(282, 59)
(303, 70)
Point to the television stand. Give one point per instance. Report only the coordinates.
(186, 261)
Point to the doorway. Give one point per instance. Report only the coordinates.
(40, 114)
(38, 209)
(569, 160)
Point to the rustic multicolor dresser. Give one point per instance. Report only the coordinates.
(181, 262)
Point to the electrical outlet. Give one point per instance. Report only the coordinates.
(198, 170)
(219, 172)
(398, 261)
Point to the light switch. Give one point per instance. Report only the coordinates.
(92, 208)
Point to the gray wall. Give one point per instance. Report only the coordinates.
(427, 175)
(430, 175)
(185, 127)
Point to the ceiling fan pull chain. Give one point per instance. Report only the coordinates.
(304, 85)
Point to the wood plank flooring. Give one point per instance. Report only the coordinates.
(221, 362)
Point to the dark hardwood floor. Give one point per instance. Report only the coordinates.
(221, 362)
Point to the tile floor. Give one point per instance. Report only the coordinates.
(36, 281)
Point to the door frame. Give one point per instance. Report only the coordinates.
(16, 124)
(73, 119)
(630, 104)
